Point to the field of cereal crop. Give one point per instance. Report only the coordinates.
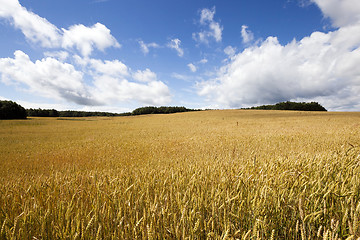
(229, 174)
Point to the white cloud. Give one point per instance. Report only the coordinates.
(175, 44)
(342, 13)
(322, 66)
(60, 55)
(4, 98)
(97, 82)
(85, 39)
(181, 77)
(48, 77)
(113, 68)
(112, 83)
(35, 28)
(145, 47)
(246, 34)
(192, 67)
(187, 78)
(203, 61)
(61, 81)
(111, 109)
(57, 106)
(122, 90)
(40, 31)
(230, 51)
(207, 15)
(145, 76)
(214, 31)
(65, 106)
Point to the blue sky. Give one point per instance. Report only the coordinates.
(109, 55)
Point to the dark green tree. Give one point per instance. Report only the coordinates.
(297, 106)
(160, 110)
(42, 112)
(11, 110)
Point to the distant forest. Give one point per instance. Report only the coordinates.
(160, 110)
(139, 111)
(54, 113)
(298, 106)
(12, 110)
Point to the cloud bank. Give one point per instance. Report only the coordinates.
(321, 67)
(66, 75)
(111, 81)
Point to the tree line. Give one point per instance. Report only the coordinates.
(69, 113)
(298, 106)
(139, 111)
(160, 110)
(12, 110)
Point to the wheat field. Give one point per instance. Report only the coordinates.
(225, 174)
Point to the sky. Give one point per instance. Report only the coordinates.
(117, 55)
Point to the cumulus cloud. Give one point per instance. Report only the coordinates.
(85, 39)
(98, 82)
(35, 28)
(342, 13)
(114, 82)
(145, 47)
(145, 76)
(40, 31)
(246, 34)
(175, 44)
(113, 68)
(214, 30)
(111, 81)
(113, 89)
(322, 67)
(192, 67)
(48, 77)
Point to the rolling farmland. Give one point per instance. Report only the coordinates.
(229, 174)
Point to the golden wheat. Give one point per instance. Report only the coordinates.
(200, 175)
